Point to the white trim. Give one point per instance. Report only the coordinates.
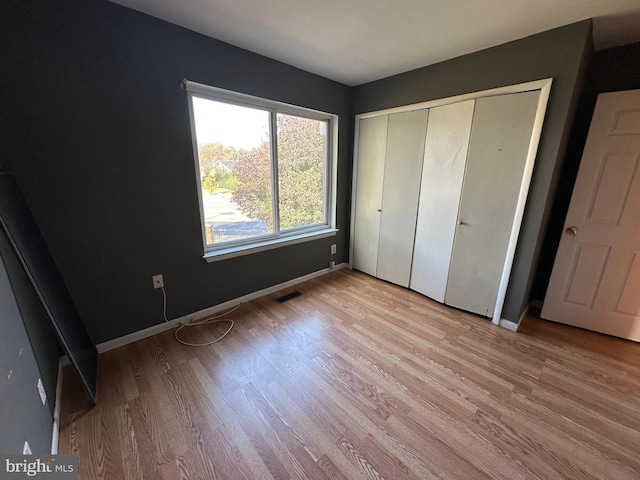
(273, 107)
(522, 197)
(196, 160)
(161, 327)
(57, 405)
(523, 314)
(509, 325)
(243, 99)
(332, 171)
(139, 335)
(238, 251)
(506, 90)
(354, 189)
(544, 85)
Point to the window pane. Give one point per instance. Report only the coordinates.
(234, 154)
(302, 145)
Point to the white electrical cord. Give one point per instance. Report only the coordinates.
(197, 323)
(205, 321)
(164, 304)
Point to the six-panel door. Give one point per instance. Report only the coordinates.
(595, 283)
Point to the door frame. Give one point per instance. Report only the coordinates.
(544, 85)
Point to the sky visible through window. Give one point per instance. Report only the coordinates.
(233, 159)
(230, 125)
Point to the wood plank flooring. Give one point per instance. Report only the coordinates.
(360, 379)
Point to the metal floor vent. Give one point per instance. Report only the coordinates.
(288, 296)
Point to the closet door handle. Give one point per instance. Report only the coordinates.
(460, 222)
(379, 209)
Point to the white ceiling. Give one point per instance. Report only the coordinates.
(358, 41)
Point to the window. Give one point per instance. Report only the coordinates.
(265, 171)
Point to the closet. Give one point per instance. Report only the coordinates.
(392, 150)
(446, 149)
(439, 193)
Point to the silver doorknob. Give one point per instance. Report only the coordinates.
(572, 231)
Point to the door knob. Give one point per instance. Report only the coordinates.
(572, 230)
(462, 223)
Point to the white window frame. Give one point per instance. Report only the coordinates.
(278, 238)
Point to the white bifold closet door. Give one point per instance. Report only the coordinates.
(500, 140)
(445, 156)
(372, 148)
(403, 166)
(390, 154)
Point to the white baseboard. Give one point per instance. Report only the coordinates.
(56, 406)
(508, 324)
(161, 327)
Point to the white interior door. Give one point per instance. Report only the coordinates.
(445, 156)
(372, 146)
(500, 139)
(595, 283)
(403, 167)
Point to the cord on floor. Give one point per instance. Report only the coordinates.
(200, 322)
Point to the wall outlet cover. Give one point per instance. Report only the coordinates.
(43, 394)
(158, 281)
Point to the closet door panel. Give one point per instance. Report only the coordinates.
(442, 174)
(372, 145)
(402, 172)
(500, 138)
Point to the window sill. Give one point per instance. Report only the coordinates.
(231, 252)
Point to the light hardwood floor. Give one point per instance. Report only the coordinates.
(360, 379)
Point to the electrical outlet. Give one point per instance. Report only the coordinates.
(158, 281)
(43, 394)
(26, 450)
(333, 249)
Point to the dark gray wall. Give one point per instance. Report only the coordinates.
(561, 53)
(22, 415)
(614, 70)
(96, 129)
(611, 70)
